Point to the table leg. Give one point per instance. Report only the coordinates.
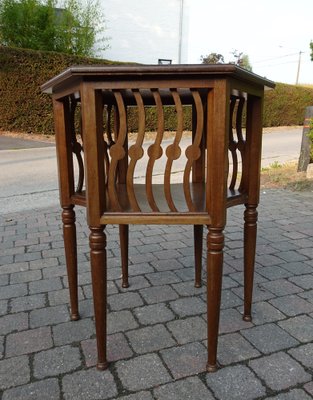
(250, 233)
(97, 242)
(70, 246)
(198, 237)
(124, 253)
(215, 245)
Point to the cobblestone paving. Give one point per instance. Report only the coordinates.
(157, 327)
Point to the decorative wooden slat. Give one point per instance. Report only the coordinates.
(233, 145)
(241, 141)
(173, 151)
(117, 151)
(77, 148)
(155, 151)
(136, 152)
(193, 151)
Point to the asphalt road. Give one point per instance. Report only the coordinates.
(28, 169)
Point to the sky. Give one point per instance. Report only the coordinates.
(271, 32)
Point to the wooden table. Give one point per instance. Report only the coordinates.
(93, 106)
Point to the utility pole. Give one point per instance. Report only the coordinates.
(180, 33)
(298, 70)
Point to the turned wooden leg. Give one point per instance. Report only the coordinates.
(70, 246)
(124, 254)
(97, 242)
(198, 237)
(215, 244)
(250, 231)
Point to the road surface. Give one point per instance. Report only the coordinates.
(28, 177)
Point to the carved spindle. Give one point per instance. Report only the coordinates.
(241, 141)
(193, 152)
(155, 151)
(173, 151)
(97, 242)
(117, 152)
(250, 233)
(215, 245)
(69, 233)
(136, 152)
(77, 148)
(232, 146)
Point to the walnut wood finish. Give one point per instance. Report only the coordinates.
(221, 166)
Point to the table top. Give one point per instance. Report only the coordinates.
(113, 72)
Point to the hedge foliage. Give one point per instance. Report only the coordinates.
(24, 108)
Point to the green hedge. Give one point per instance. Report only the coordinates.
(24, 108)
(286, 105)
(22, 105)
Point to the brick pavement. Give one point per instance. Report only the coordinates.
(157, 327)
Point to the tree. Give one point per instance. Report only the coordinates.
(212, 58)
(241, 59)
(40, 25)
(311, 46)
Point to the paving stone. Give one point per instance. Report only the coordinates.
(231, 321)
(269, 338)
(138, 396)
(153, 314)
(279, 371)
(298, 268)
(235, 383)
(281, 287)
(149, 339)
(165, 265)
(188, 306)
(291, 256)
(189, 359)
(14, 371)
(142, 372)
(26, 276)
(304, 281)
(158, 294)
(11, 291)
(139, 269)
(45, 285)
(27, 303)
(268, 260)
(56, 361)
(10, 323)
(62, 296)
(229, 299)
(301, 327)
(89, 385)
(188, 330)
(3, 307)
(292, 305)
(264, 312)
(135, 283)
(275, 272)
(47, 389)
(295, 394)
(28, 341)
(43, 263)
(52, 272)
(73, 331)
(188, 289)
(124, 300)
(259, 293)
(234, 348)
(309, 387)
(304, 354)
(4, 280)
(186, 274)
(1, 347)
(187, 389)
(121, 321)
(49, 316)
(27, 256)
(162, 278)
(117, 349)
